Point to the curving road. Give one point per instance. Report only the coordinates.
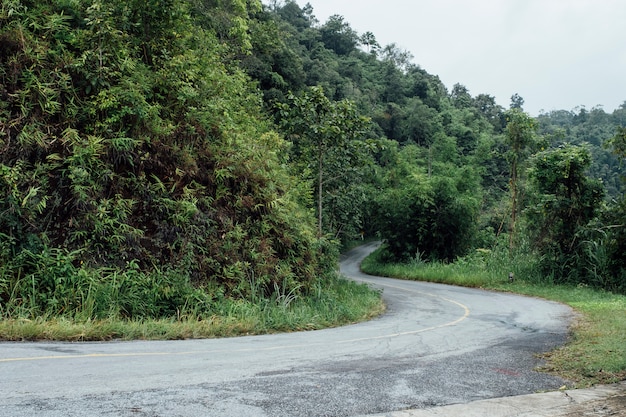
(435, 345)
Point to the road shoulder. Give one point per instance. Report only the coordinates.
(605, 400)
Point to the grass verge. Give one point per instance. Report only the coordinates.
(596, 352)
(339, 302)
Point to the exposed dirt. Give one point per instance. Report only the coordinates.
(614, 406)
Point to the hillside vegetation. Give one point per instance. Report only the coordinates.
(137, 168)
(159, 157)
(451, 175)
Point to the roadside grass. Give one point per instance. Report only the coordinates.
(596, 351)
(337, 303)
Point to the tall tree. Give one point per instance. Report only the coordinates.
(489, 109)
(320, 129)
(400, 58)
(520, 132)
(339, 36)
(368, 39)
(517, 102)
(460, 96)
(563, 201)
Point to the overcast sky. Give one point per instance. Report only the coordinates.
(556, 54)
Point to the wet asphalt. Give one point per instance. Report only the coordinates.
(436, 345)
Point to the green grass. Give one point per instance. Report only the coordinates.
(340, 302)
(596, 351)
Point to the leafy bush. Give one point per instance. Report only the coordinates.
(562, 203)
(428, 217)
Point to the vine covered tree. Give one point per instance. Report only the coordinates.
(563, 200)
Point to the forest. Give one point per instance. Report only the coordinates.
(156, 154)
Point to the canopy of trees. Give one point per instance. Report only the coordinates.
(451, 172)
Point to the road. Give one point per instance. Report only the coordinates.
(435, 345)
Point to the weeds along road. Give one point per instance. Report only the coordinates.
(435, 345)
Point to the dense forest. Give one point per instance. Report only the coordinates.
(175, 151)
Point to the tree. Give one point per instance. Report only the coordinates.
(338, 36)
(615, 224)
(369, 41)
(273, 61)
(562, 201)
(300, 18)
(320, 130)
(517, 102)
(229, 20)
(401, 59)
(520, 132)
(494, 113)
(618, 142)
(427, 217)
(460, 96)
(419, 124)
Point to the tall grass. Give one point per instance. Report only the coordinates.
(334, 301)
(52, 294)
(482, 268)
(596, 351)
(54, 283)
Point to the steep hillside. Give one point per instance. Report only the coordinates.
(132, 150)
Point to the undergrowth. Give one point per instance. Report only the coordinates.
(333, 302)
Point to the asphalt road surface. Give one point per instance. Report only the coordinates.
(435, 345)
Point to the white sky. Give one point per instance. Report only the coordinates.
(556, 54)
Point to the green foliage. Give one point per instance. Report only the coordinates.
(562, 202)
(229, 20)
(333, 302)
(595, 129)
(607, 243)
(135, 145)
(520, 133)
(452, 129)
(53, 282)
(599, 246)
(338, 36)
(605, 246)
(427, 217)
(133, 151)
(618, 142)
(326, 149)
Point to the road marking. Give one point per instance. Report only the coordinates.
(465, 315)
(452, 323)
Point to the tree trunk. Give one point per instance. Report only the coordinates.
(513, 206)
(320, 178)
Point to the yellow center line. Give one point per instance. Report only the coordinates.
(465, 315)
